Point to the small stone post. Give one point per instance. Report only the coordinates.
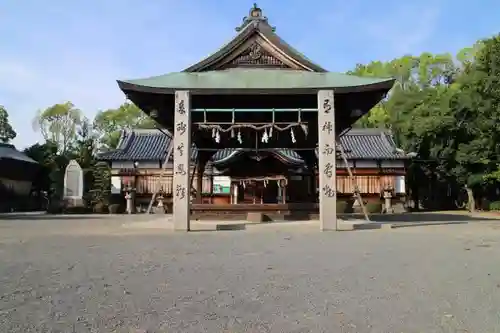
(182, 159)
(129, 197)
(160, 207)
(388, 209)
(327, 161)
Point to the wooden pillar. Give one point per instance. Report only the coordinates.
(283, 192)
(313, 186)
(182, 157)
(327, 161)
(310, 159)
(212, 186)
(200, 170)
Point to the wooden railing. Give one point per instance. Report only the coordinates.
(151, 183)
(366, 184)
(373, 184)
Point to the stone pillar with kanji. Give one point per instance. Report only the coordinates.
(327, 161)
(182, 159)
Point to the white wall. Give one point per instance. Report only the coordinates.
(393, 164)
(366, 164)
(130, 165)
(341, 164)
(400, 185)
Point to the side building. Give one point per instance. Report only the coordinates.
(17, 174)
(239, 176)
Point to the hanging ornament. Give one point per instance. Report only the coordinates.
(217, 137)
(270, 132)
(292, 135)
(239, 137)
(232, 133)
(213, 132)
(265, 137)
(304, 129)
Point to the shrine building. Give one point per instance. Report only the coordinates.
(234, 176)
(18, 172)
(255, 95)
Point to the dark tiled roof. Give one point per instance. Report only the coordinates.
(8, 151)
(369, 144)
(144, 145)
(140, 145)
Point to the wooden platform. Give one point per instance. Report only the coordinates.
(301, 206)
(272, 212)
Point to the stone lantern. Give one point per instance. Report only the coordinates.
(129, 197)
(160, 207)
(388, 194)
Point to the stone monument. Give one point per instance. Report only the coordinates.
(73, 184)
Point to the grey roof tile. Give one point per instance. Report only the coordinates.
(142, 145)
(370, 144)
(8, 151)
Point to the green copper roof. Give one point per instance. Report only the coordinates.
(257, 79)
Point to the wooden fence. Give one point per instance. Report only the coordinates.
(372, 185)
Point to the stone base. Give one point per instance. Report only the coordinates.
(159, 210)
(255, 217)
(388, 210)
(73, 202)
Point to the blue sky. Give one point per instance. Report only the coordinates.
(54, 50)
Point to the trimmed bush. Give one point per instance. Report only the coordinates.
(344, 206)
(115, 209)
(495, 205)
(100, 208)
(341, 206)
(374, 207)
(55, 208)
(77, 210)
(485, 205)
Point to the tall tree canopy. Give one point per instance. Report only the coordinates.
(58, 124)
(109, 123)
(7, 133)
(447, 110)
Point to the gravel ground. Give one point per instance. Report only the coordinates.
(75, 275)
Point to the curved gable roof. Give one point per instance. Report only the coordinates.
(256, 28)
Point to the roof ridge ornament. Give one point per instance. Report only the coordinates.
(255, 16)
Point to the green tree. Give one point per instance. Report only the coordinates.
(85, 145)
(101, 190)
(53, 165)
(111, 122)
(447, 111)
(58, 124)
(478, 109)
(84, 151)
(7, 133)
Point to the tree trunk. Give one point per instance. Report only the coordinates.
(471, 203)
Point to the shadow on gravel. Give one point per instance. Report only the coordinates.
(416, 218)
(50, 217)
